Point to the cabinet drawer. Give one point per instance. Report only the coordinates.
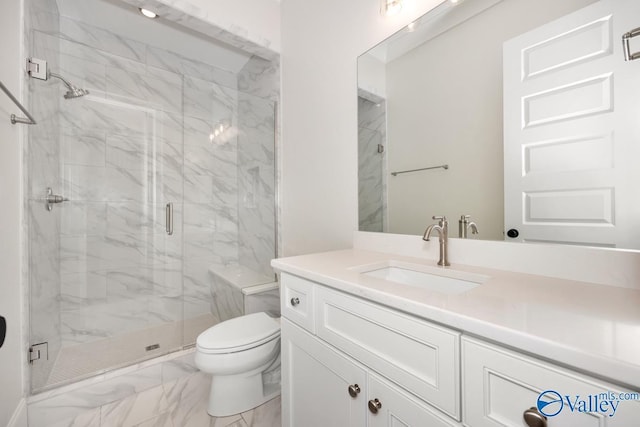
(499, 385)
(421, 357)
(296, 301)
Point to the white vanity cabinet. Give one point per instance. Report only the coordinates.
(402, 363)
(348, 361)
(499, 385)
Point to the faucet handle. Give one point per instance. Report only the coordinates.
(442, 220)
(464, 217)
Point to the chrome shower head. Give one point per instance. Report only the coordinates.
(74, 91)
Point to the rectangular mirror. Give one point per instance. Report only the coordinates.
(522, 114)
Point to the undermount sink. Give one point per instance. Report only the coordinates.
(421, 276)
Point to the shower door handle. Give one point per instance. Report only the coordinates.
(169, 218)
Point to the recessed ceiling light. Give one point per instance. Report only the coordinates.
(148, 13)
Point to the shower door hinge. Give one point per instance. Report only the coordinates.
(39, 351)
(37, 68)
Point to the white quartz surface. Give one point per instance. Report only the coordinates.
(592, 328)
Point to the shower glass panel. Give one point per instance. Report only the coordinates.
(168, 167)
(106, 277)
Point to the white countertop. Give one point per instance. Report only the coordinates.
(593, 328)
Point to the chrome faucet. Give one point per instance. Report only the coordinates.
(464, 225)
(442, 227)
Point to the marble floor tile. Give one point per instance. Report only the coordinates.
(135, 409)
(232, 421)
(163, 420)
(268, 414)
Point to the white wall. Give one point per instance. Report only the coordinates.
(11, 389)
(320, 43)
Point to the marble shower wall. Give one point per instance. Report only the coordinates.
(156, 128)
(372, 171)
(42, 156)
(259, 85)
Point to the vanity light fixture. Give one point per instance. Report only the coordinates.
(148, 13)
(390, 7)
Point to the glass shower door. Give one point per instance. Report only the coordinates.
(111, 290)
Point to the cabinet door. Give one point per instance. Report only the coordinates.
(421, 356)
(390, 406)
(315, 383)
(499, 385)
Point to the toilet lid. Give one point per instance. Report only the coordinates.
(239, 333)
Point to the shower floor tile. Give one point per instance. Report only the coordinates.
(84, 360)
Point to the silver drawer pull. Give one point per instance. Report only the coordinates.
(354, 390)
(295, 301)
(374, 405)
(533, 418)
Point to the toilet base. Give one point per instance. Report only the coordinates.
(232, 395)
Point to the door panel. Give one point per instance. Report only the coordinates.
(569, 136)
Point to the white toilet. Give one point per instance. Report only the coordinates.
(243, 356)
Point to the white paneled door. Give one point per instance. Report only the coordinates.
(572, 130)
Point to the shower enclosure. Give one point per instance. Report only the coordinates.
(167, 167)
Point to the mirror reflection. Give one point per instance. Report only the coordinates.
(516, 115)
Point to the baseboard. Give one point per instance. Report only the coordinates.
(19, 417)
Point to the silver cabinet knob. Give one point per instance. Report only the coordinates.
(295, 301)
(374, 405)
(354, 389)
(533, 418)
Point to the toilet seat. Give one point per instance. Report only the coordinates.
(238, 334)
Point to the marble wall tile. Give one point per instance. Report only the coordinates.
(260, 78)
(372, 115)
(83, 218)
(256, 181)
(228, 299)
(179, 64)
(371, 165)
(266, 301)
(204, 99)
(155, 88)
(84, 147)
(83, 73)
(101, 39)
